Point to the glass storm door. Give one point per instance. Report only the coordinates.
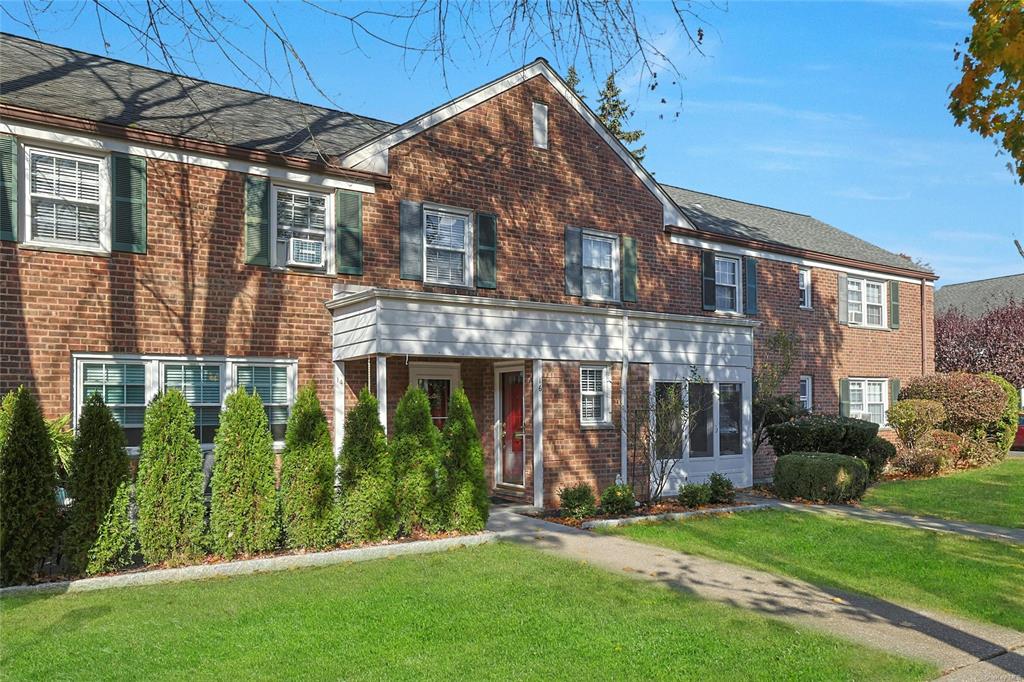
(512, 435)
(439, 392)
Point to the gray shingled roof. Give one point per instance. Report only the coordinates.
(976, 298)
(775, 226)
(55, 79)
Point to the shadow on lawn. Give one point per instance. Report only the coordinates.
(756, 590)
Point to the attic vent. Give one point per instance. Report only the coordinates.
(540, 125)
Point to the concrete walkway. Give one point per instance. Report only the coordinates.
(967, 649)
(977, 530)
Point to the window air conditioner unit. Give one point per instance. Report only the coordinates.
(305, 253)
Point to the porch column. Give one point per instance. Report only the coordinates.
(623, 400)
(339, 406)
(538, 433)
(382, 390)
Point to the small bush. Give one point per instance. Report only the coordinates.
(28, 502)
(421, 477)
(971, 401)
(914, 419)
(368, 507)
(823, 477)
(618, 499)
(978, 451)
(878, 455)
(99, 469)
(1003, 431)
(693, 495)
(466, 502)
(170, 483)
(116, 542)
(577, 501)
(722, 490)
(243, 506)
(308, 511)
(821, 433)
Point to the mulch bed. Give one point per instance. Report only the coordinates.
(666, 507)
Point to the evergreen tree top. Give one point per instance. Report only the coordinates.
(614, 112)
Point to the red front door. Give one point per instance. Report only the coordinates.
(512, 435)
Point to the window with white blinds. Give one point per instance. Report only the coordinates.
(201, 386)
(123, 388)
(65, 195)
(446, 238)
(595, 395)
(301, 221)
(270, 383)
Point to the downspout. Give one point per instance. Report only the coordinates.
(924, 347)
(623, 411)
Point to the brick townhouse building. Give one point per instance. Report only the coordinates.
(163, 232)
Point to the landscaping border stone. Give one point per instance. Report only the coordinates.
(252, 566)
(672, 516)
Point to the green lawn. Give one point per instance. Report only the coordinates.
(492, 612)
(979, 579)
(994, 495)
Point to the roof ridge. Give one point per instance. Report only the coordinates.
(979, 281)
(740, 201)
(202, 81)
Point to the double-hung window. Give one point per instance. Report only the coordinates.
(807, 392)
(727, 284)
(270, 383)
(446, 254)
(804, 282)
(869, 399)
(302, 224)
(201, 385)
(66, 199)
(600, 266)
(595, 395)
(122, 385)
(865, 302)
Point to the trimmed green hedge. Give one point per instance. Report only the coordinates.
(820, 433)
(819, 476)
(308, 511)
(419, 466)
(368, 511)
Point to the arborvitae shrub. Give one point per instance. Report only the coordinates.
(308, 509)
(368, 506)
(28, 502)
(99, 466)
(243, 506)
(170, 483)
(116, 543)
(466, 503)
(419, 469)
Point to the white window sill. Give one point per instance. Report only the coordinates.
(595, 299)
(448, 285)
(867, 326)
(299, 271)
(596, 426)
(806, 307)
(64, 248)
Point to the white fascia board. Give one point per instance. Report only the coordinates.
(373, 155)
(709, 245)
(82, 142)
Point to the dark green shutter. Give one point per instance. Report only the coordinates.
(843, 299)
(707, 266)
(128, 196)
(573, 261)
(8, 188)
(894, 391)
(486, 250)
(844, 397)
(749, 285)
(410, 225)
(257, 220)
(348, 232)
(628, 269)
(894, 305)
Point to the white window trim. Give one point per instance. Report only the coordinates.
(155, 377)
(864, 281)
(616, 265)
(739, 284)
(606, 397)
(540, 125)
(864, 392)
(330, 268)
(451, 371)
(470, 253)
(809, 403)
(804, 285)
(25, 196)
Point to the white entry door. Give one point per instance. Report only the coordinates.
(717, 434)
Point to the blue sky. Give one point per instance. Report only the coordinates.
(832, 109)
